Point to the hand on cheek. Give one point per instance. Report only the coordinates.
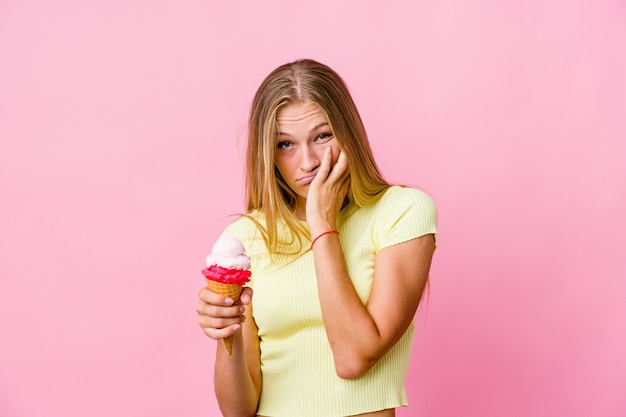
(327, 193)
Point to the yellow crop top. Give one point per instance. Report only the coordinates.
(298, 372)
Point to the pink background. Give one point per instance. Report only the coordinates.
(122, 127)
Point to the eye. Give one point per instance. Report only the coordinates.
(324, 136)
(285, 144)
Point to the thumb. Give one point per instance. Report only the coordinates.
(246, 295)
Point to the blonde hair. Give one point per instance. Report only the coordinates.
(266, 191)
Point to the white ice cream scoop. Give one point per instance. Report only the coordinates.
(228, 252)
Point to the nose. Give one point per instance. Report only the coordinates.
(310, 159)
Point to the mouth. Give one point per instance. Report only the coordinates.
(306, 179)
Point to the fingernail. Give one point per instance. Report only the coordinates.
(228, 301)
(242, 309)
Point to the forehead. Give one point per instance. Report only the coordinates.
(300, 111)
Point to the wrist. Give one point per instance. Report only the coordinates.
(317, 227)
(322, 235)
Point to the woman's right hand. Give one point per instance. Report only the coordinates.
(217, 315)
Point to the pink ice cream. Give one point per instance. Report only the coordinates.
(228, 262)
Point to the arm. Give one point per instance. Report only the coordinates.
(360, 335)
(237, 378)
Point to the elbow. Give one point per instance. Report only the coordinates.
(353, 368)
(238, 414)
(349, 373)
(238, 410)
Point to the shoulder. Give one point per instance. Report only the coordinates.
(238, 228)
(404, 213)
(400, 192)
(400, 198)
(246, 228)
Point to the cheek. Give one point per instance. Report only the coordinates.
(281, 165)
(283, 159)
(336, 151)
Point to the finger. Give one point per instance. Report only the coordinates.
(210, 297)
(207, 322)
(325, 166)
(246, 295)
(218, 334)
(217, 312)
(216, 321)
(340, 169)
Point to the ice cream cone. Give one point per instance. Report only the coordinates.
(229, 290)
(228, 271)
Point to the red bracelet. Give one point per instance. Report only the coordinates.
(322, 234)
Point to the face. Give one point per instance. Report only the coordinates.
(303, 135)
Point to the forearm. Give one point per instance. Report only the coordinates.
(355, 339)
(236, 387)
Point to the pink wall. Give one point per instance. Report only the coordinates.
(122, 126)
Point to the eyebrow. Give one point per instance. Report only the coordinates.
(311, 131)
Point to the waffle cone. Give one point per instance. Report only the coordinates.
(229, 290)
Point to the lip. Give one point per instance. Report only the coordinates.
(306, 179)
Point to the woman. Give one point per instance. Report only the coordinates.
(340, 259)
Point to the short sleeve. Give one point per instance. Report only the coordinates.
(408, 214)
(242, 229)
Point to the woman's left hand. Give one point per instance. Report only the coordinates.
(327, 193)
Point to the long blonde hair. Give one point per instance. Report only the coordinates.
(267, 192)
